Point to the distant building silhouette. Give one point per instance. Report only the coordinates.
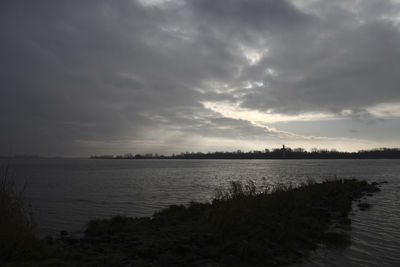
(283, 151)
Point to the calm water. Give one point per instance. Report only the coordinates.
(65, 194)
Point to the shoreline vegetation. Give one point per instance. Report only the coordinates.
(18, 241)
(276, 153)
(243, 225)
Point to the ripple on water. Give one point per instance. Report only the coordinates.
(66, 194)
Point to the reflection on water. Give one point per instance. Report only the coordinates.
(67, 193)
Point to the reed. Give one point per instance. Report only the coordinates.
(18, 242)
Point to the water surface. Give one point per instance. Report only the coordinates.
(66, 193)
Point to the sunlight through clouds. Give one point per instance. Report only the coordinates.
(386, 110)
(233, 110)
(253, 55)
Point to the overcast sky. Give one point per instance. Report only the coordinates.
(111, 77)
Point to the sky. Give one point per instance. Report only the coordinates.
(80, 78)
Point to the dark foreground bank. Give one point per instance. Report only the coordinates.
(240, 227)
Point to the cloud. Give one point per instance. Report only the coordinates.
(76, 75)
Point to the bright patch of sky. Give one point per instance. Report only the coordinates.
(253, 55)
(385, 110)
(234, 111)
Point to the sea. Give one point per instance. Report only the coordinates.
(66, 193)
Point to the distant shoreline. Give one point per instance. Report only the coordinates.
(282, 153)
(277, 153)
(169, 158)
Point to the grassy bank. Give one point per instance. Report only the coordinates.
(240, 227)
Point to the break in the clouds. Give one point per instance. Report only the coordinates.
(94, 77)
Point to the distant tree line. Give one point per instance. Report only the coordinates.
(277, 153)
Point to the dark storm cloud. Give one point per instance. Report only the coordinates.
(351, 69)
(335, 56)
(75, 71)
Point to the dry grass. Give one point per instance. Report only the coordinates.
(18, 242)
(17, 226)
